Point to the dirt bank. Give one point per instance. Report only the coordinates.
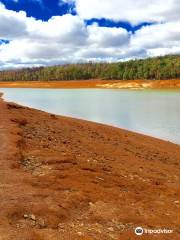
(115, 84)
(67, 179)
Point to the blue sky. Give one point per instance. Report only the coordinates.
(42, 9)
(48, 32)
(45, 9)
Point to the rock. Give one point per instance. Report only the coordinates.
(101, 179)
(112, 236)
(61, 226)
(121, 227)
(53, 116)
(32, 217)
(111, 229)
(91, 204)
(79, 233)
(41, 223)
(34, 223)
(50, 138)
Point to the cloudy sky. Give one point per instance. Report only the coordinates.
(48, 32)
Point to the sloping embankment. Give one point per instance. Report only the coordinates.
(63, 178)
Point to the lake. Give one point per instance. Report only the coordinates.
(151, 112)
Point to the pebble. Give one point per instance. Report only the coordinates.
(111, 229)
(32, 216)
(79, 233)
(102, 179)
(112, 236)
(61, 226)
(41, 223)
(91, 204)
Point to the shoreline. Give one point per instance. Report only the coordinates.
(106, 124)
(96, 83)
(66, 178)
(88, 121)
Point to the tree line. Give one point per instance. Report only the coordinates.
(167, 67)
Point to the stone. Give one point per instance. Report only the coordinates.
(41, 223)
(79, 233)
(32, 217)
(111, 229)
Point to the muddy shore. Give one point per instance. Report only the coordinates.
(97, 83)
(68, 179)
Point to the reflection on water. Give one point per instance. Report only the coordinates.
(152, 112)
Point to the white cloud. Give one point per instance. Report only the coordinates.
(66, 29)
(158, 36)
(61, 39)
(12, 24)
(160, 39)
(107, 37)
(133, 11)
(67, 39)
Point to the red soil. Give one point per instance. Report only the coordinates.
(96, 83)
(67, 179)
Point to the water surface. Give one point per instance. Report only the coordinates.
(151, 112)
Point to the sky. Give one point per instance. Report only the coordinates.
(51, 32)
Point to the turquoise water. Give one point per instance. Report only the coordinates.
(151, 112)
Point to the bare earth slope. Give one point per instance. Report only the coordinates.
(96, 83)
(67, 179)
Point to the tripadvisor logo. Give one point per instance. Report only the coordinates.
(139, 231)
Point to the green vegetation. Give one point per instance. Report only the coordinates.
(167, 67)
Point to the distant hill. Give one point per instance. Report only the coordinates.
(167, 67)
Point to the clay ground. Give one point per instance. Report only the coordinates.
(67, 179)
(97, 83)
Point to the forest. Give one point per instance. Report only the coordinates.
(167, 67)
